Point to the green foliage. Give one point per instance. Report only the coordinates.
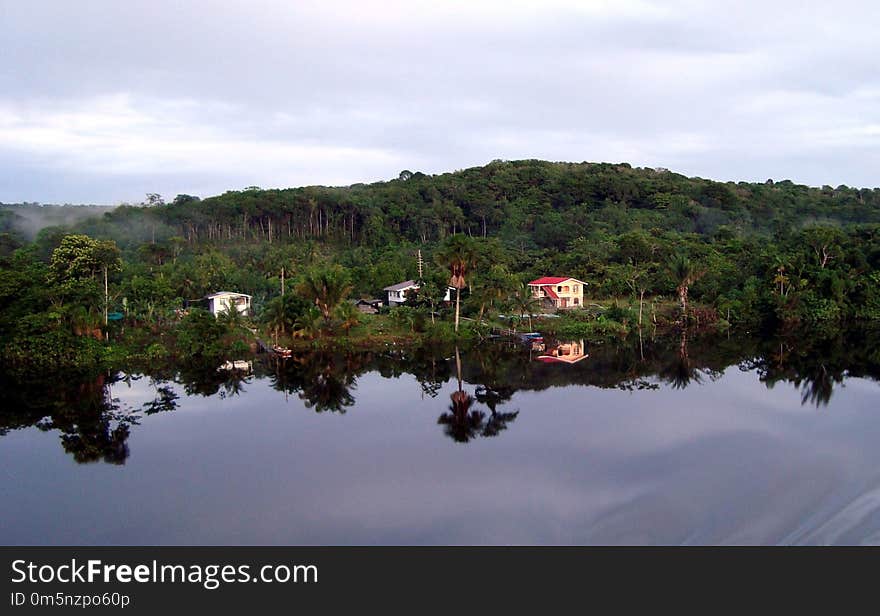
(771, 254)
(200, 336)
(327, 287)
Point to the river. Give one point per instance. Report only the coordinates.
(707, 440)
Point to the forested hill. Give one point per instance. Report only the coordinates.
(529, 204)
(752, 251)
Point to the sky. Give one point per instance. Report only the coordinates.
(105, 101)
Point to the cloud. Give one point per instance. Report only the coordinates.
(106, 100)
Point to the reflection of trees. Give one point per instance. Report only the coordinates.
(323, 380)
(492, 398)
(463, 424)
(206, 380)
(92, 423)
(327, 389)
(817, 362)
(818, 386)
(681, 371)
(165, 400)
(94, 427)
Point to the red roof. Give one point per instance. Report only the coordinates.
(548, 280)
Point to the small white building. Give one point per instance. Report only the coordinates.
(397, 292)
(219, 302)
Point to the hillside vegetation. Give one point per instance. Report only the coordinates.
(753, 254)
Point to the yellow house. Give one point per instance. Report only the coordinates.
(559, 293)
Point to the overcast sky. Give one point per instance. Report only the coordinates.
(103, 101)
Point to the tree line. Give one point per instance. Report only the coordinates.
(753, 254)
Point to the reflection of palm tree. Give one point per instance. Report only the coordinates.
(462, 424)
(817, 386)
(492, 398)
(165, 400)
(681, 371)
(233, 384)
(326, 386)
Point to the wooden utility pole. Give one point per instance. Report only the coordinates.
(421, 264)
(106, 303)
(282, 282)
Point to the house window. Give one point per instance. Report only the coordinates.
(559, 289)
(574, 289)
(565, 289)
(575, 301)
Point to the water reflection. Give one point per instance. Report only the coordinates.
(463, 424)
(94, 426)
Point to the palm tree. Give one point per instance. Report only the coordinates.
(327, 287)
(526, 303)
(231, 318)
(496, 286)
(277, 317)
(460, 255)
(348, 316)
(684, 273)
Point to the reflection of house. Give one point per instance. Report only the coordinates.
(564, 352)
(557, 292)
(220, 301)
(240, 365)
(368, 306)
(397, 292)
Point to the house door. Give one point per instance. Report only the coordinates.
(563, 302)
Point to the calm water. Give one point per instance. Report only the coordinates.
(699, 441)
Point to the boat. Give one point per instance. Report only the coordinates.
(281, 351)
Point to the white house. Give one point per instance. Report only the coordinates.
(397, 292)
(220, 301)
(558, 291)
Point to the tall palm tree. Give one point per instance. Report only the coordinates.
(459, 254)
(684, 273)
(327, 287)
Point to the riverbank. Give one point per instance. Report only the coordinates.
(199, 337)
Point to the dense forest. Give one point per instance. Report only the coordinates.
(772, 254)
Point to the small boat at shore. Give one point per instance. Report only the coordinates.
(282, 351)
